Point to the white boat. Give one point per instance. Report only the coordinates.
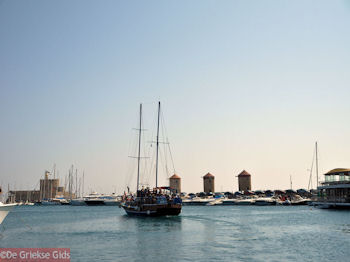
(4, 210)
(215, 202)
(245, 202)
(298, 201)
(197, 201)
(94, 199)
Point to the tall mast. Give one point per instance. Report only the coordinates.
(71, 171)
(76, 183)
(157, 144)
(316, 166)
(139, 152)
(83, 184)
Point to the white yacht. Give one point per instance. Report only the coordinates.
(94, 199)
(197, 201)
(245, 202)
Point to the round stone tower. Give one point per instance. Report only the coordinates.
(208, 181)
(244, 181)
(175, 183)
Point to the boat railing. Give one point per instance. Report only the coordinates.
(337, 182)
(334, 199)
(156, 200)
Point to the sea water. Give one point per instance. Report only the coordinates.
(200, 233)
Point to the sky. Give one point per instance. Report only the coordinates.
(244, 85)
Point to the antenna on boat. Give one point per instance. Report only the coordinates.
(139, 151)
(157, 145)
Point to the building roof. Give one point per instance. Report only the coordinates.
(174, 176)
(208, 175)
(244, 173)
(337, 170)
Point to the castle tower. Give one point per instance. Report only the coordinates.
(48, 187)
(175, 183)
(244, 181)
(208, 181)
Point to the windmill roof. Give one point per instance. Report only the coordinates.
(175, 176)
(244, 173)
(208, 175)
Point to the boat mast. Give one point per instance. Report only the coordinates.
(139, 152)
(157, 145)
(83, 184)
(316, 167)
(76, 183)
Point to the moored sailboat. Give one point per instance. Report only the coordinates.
(157, 202)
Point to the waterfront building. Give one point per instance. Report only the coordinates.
(244, 181)
(48, 187)
(23, 196)
(175, 183)
(208, 182)
(334, 192)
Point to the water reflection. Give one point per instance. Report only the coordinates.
(160, 224)
(346, 228)
(156, 237)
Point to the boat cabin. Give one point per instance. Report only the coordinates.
(336, 187)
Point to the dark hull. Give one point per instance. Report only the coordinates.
(265, 203)
(95, 203)
(153, 210)
(332, 205)
(300, 203)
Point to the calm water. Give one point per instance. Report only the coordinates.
(223, 233)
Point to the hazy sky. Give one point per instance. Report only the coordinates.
(245, 85)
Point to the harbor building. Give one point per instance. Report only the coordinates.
(49, 187)
(208, 181)
(244, 181)
(175, 183)
(23, 196)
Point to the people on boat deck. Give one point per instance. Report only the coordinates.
(155, 196)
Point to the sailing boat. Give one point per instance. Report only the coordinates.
(5, 209)
(147, 202)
